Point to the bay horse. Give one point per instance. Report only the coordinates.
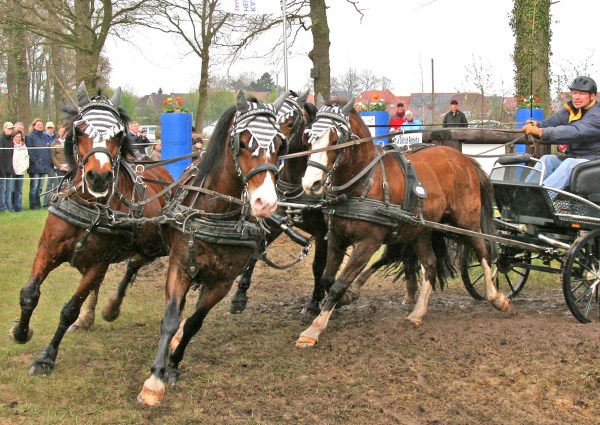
(372, 204)
(294, 116)
(211, 232)
(87, 222)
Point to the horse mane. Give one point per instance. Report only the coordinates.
(71, 113)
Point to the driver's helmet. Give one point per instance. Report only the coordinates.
(584, 83)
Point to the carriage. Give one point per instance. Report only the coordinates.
(547, 230)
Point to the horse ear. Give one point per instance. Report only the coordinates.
(279, 102)
(116, 99)
(320, 101)
(302, 99)
(242, 103)
(349, 106)
(83, 98)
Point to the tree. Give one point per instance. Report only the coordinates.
(349, 82)
(530, 22)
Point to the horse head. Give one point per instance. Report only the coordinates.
(256, 142)
(331, 126)
(96, 139)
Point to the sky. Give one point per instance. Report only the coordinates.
(396, 38)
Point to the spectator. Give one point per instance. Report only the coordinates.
(156, 154)
(6, 168)
(137, 141)
(51, 179)
(398, 118)
(411, 123)
(19, 127)
(59, 161)
(454, 117)
(40, 162)
(576, 124)
(20, 165)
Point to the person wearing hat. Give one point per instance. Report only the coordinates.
(454, 117)
(6, 168)
(577, 125)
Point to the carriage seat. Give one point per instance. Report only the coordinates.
(585, 180)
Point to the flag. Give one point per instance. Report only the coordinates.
(252, 7)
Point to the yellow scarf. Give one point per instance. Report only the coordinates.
(576, 114)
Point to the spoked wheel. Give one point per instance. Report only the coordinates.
(581, 277)
(510, 272)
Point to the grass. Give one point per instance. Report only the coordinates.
(100, 372)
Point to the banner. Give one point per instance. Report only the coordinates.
(408, 139)
(251, 7)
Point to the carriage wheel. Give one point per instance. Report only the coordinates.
(581, 277)
(510, 273)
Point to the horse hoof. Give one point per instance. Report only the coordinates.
(305, 342)
(348, 298)
(172, 375)
(237, 306)
(152, 392)
(83, 323)
(501, 303)
(311, 308)
(415, 321)
(408, 300)
(110, 314)
(21, 340)
(41, 368)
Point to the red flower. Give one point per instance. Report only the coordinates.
(522, 99)
(165, 102)
(179, 102)
(537, 99)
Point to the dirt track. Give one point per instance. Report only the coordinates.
(468, 363)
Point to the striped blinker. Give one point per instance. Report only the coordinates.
(328, 118)
(261, 121)
(100, 124)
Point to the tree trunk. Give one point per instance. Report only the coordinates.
(319, 55)
(202, 88)
(530, 22)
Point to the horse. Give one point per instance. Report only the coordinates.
(210, 230)
(91, 221)
(293, 117)
(367, 208)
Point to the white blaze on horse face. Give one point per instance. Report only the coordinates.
(313, 175)
(263, 200)
(102, 159)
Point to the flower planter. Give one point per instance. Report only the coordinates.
(377, 118)
(524, 114)
(176, 140)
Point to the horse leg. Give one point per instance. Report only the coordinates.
(492, 295)
(87, 316)
(318, 268)
(424, 251)
(112, 309)
(43, 264)
(178, 284)
(361, 254)
(208, 299)
(92, 278)
(240, 299)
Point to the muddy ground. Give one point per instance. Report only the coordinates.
(467, 363)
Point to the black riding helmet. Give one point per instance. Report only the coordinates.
(584, 84)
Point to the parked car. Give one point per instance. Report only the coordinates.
(150, 131)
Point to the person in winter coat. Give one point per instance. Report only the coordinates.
(20, 166)
(51, 180)
(454, 117)
(6, 168)
(40, 162)
(576, 124)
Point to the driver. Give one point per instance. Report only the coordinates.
(576, 124)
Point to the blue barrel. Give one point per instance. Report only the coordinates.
(523, 114)
(176, 140)
(377, 118)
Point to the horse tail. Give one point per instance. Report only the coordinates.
(402, 262)
(487, 207)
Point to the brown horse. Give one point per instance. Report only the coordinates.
(211, 234)
(294, 117)
(87, 225)
(371, 205)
